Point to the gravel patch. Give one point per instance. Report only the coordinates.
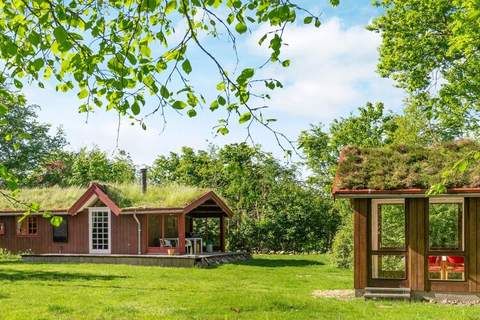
(335, 294)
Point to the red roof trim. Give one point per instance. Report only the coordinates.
(207, 196)
(94, 189)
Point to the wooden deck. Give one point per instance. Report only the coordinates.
(182, 261)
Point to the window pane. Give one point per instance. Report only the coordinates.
(445, 226)
(388, 267)
(388, 227)
(60, 233)
(171, 226)
(450, 268)
(154, 231)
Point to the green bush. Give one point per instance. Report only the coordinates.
(342, 248)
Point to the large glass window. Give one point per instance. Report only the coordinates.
(388, 241)
(445, 224)
(446, 258)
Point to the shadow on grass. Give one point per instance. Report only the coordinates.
(24, 275)
(278, 263)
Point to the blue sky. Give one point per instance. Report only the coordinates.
(332, 74)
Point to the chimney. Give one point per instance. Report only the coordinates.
(144, 179)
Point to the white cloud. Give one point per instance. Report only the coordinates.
(332, 71)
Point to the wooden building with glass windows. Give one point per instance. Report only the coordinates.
(405, 241)
(120, 220)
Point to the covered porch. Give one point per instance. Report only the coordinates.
(197, 229)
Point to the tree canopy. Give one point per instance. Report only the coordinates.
(24, 142)
(431, 49)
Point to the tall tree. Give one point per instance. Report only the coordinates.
(371, 127)
(431, 49)
(275, 209)
(25, 142)
(66, 168)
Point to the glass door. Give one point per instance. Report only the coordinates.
(388, 243)
(446, 244)
(99, 235)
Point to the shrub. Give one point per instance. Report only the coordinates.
(342, 248)
(7, 255)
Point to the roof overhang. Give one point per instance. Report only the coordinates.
(206, 197)
(403, 193)
(41, 212)
(92, 195)
(152, 210)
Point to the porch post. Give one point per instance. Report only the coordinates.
(181, 234)
(222, 233)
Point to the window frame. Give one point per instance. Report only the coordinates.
(91, 211)
(375, 203)
(461, 252)
(19, 227)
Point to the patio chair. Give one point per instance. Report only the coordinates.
(188, 246)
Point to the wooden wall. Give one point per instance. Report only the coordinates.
(416, 210)
(417, 240)
(124, 236)
(472, 206)
(361, 208)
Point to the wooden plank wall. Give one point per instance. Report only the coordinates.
(361, 207)
(43, 242)
(416, 209)
(472, 206)
(124, 236)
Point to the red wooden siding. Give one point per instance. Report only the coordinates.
(124, 235)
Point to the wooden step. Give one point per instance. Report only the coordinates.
(385, 289)
(387, 293)
(391, 296)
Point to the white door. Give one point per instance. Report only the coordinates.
(99, 230)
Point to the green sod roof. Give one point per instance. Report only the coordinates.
(404, 167)
(124, 195)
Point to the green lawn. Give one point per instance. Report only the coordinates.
(267, 287)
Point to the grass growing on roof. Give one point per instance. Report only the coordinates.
(49, 198)
(163, 196)
(125, 195)
(403, 167)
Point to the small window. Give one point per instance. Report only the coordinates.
(28, 226)
(2, 228)
(389, 266)
(60, 233)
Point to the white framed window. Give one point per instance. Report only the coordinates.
(99, 226)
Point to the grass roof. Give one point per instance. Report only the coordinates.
(124, 195)
(404, 167)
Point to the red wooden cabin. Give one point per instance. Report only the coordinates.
(106, 220)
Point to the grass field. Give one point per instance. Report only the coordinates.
(267, 287)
